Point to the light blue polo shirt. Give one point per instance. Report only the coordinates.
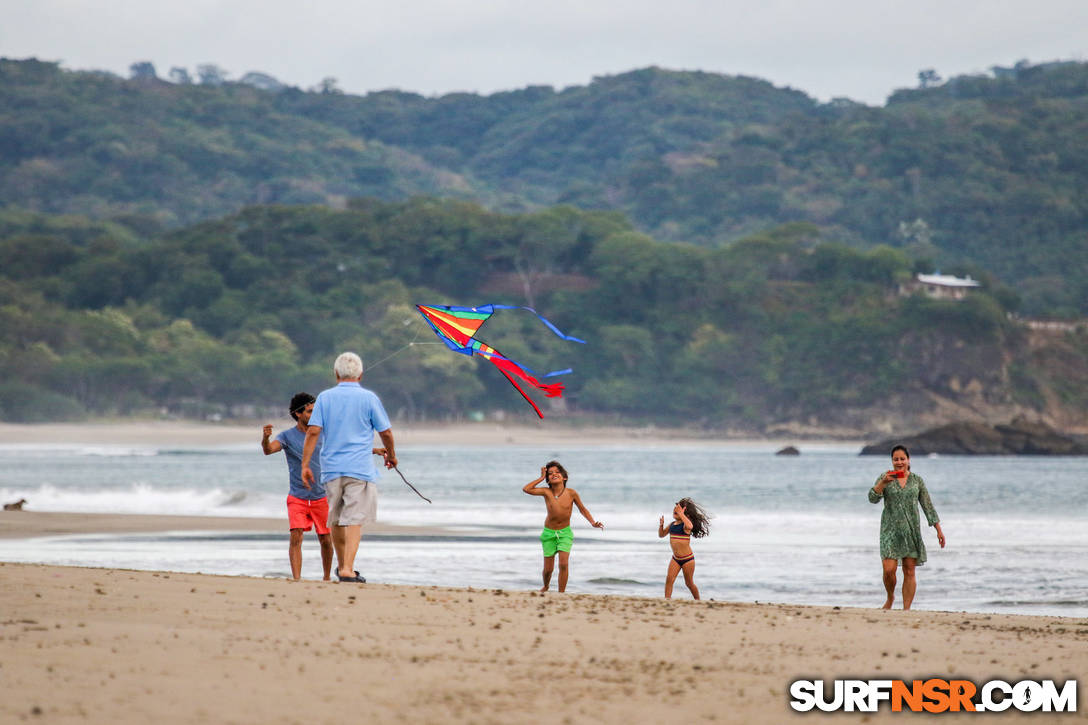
(348, 414)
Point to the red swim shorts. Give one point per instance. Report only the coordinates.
(301, 513)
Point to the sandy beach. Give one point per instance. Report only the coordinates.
(121, 646)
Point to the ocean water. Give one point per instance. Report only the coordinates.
(795, 529)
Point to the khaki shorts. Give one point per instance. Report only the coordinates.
(352, 501)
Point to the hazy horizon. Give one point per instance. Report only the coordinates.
(839, 48)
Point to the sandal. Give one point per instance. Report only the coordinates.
(357, 578)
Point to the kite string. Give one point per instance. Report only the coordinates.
(411, 343)
(410, 485)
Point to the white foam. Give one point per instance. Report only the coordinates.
(143, 498)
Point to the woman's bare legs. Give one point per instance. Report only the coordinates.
(890, 566)
(910, 583)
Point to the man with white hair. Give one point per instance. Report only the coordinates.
(348, 414)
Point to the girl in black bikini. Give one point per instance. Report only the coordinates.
(688, 520)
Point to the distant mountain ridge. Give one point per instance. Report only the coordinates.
(975, 175)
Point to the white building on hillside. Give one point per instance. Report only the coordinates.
(941, 286)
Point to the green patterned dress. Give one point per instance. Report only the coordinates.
(900, 531)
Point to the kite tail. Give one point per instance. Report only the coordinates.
(552, 390)
(511, 370)
(523, 394)
(550, 326)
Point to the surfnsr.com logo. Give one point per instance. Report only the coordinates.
(933, 695)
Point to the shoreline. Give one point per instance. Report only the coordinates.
(167, 433)
(125, 646)
(37, 524)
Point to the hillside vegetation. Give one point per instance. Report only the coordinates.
(980, 175)
(780, 330)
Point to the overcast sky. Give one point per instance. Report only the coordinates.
(860, 49)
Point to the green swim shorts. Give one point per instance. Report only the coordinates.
(556, 540)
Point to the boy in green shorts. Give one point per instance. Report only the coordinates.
(557, 535)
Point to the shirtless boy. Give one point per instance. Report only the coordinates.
(557, 535)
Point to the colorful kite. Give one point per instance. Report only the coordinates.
(457, 327)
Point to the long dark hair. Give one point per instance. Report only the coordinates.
(700, 519)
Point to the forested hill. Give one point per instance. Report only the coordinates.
(976, 175)
(784, 330)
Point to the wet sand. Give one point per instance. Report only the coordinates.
(30, 524)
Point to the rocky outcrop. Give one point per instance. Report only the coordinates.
(788, 451)
(1019, 437)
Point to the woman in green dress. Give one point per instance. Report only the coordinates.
(900, 530)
